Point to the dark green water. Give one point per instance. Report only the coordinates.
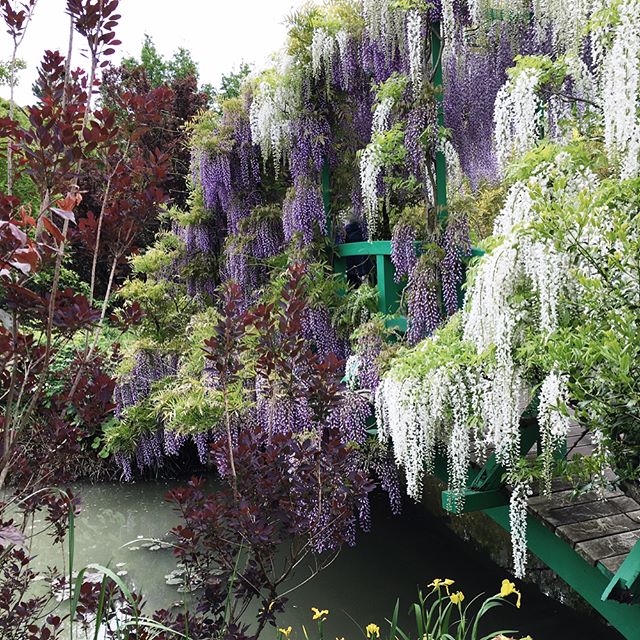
(363, 583)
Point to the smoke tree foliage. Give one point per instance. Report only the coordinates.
(49, 407)
(566, 236)
(55, 362)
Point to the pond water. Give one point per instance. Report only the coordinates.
(361, 586)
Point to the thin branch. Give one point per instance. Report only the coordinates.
(313, 575)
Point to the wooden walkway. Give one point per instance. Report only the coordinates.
(601, 528)
(589, 540)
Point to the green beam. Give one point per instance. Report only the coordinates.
(473, 500)
(376, 248)
(626, 582)
(441, 164)
(582, 577)
(373, 248)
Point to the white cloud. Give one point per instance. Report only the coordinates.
(219, 33)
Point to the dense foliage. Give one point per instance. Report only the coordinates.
(169, 305)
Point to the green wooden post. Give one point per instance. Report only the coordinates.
(441, 164)
(340, 266)
(388, 288)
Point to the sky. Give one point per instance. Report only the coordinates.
(219, 33)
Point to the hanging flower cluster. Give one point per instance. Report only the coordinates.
(372, 162)
(318, 328)
(415, 42)
(263, 231)
(370, 170)
(303, 212)
(563, 21)
(270, 124)
(424, 314)
(401, 143)
(621, 90)
(404, 255)
(517, 116)
(457, 246)
(473, 78)
(385, 23)
(323, 51)
(135, 386)
(554, 424)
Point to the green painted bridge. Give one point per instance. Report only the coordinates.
(591, 542)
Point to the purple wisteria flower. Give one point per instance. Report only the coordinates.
(424, 315)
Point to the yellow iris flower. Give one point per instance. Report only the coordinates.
(317, 613)
(439, 582)
(457, 597)
(285, 632)
(373, 631)
(507, 589)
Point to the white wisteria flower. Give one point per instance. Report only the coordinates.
(621, 91)
(385, 23)
(474, 394)
(517, 116)
(323, 51)
(270, 124)
(370, 168)
(415, 43)
(518, 526)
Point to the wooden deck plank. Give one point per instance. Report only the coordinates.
(565, 498)
(599, 528)
(634, 515)
(574, 438)
(581, 449)
(558, 484)
(613, 563)
(586, 511)
(595, 551)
